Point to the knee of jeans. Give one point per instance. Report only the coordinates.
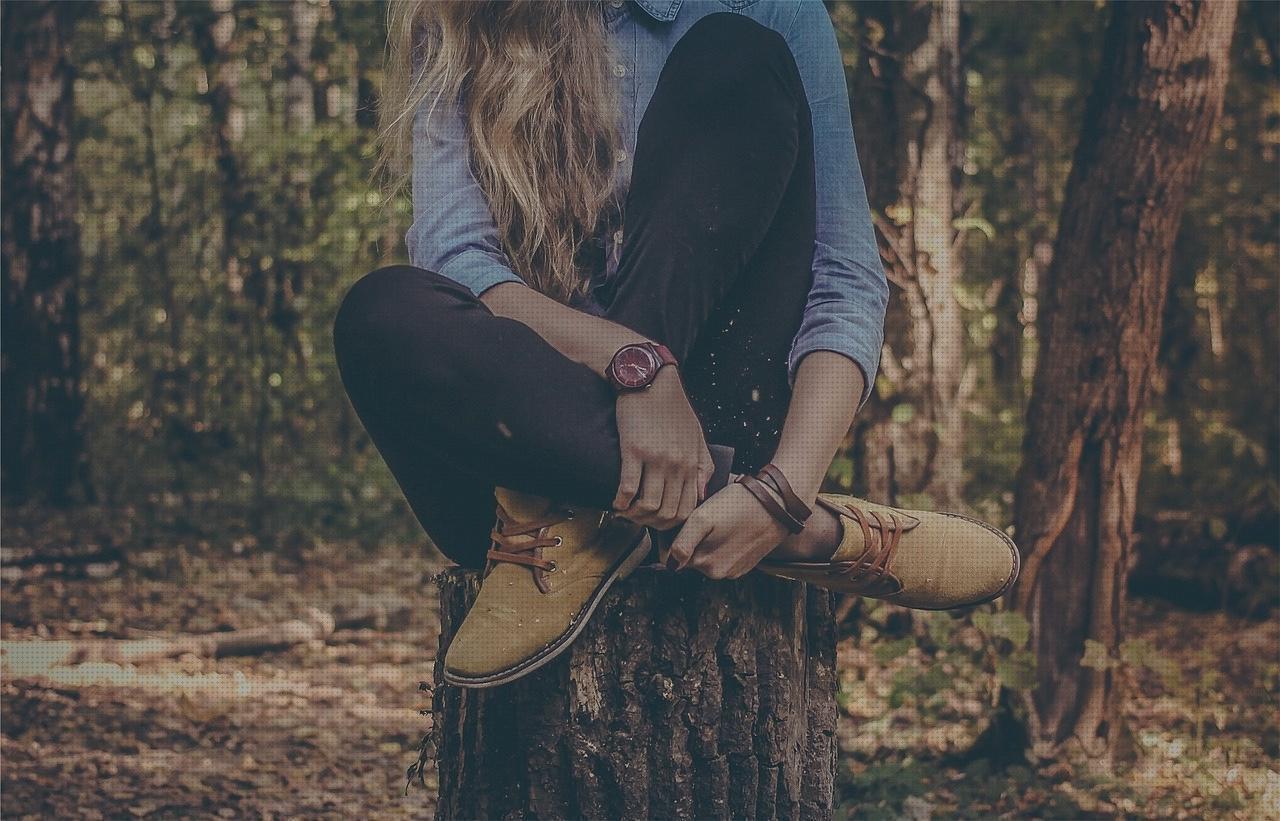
(727, 53)
(385, 305)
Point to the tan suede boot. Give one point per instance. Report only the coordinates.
(549, 567)
(915, 558)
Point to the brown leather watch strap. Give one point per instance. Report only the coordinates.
(772, 476)
(777, 511)
(664, 354)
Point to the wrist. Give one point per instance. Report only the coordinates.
(604, 355)
(666, 384)
(805, 478)
(637, 366)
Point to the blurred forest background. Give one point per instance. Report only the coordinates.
(187, 195)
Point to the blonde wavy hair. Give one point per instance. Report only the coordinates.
(540, 111)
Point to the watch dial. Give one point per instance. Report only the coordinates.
(633, 367)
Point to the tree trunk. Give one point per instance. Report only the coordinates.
(1147, 125)
(908, 101)
(683, 698)
(42, 438)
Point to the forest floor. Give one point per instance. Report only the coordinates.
(327, 727)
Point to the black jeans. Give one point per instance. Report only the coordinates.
(716, 263)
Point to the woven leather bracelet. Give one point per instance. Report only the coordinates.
(777, 511)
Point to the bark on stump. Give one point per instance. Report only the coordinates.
(683, 698)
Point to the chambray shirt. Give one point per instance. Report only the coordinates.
(454, 234)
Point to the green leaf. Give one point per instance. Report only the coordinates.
(841, 471)
(891, 650)
(1012, 626)
(1017, 671)
(1138, 652)
(934, 680)
(1096, 656)
(904, 413)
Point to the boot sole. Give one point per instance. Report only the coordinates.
(625, 566)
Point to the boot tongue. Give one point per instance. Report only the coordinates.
(523, 507)
(853, 541)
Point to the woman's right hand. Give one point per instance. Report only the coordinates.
(665, 461)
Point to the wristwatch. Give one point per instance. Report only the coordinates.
(635, 366)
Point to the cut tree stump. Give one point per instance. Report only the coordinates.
(683, 698)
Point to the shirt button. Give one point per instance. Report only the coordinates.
(617, 236)
(620, 70)
(619, 156)
(617, 4)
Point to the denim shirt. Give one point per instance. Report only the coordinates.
(454, 234)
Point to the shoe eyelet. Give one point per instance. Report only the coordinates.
(559, 541)
(569, 513)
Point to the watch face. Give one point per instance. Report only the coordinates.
(633, 367)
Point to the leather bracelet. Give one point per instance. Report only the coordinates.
(777, 511)
(772, 476)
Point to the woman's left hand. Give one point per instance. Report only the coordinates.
(727, 535)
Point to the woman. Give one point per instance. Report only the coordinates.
(539, 351)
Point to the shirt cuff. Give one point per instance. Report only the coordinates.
(864, 355)
(477, 271)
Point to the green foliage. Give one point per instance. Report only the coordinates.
(211, 386)
(944, 655)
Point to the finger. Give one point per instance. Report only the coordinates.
(689, 499)
(629, 483)
(649, 499)
(687, 541)
(710, 560)
(672, 496)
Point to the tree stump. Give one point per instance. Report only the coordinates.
(684, 698)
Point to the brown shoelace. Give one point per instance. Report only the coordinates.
(873, 563)
(515, 542)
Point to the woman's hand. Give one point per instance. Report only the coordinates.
(665, 461)
(727, 536)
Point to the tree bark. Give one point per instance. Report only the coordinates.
(1147, 125)
(42, 434)
(908, 102)
(683, 698)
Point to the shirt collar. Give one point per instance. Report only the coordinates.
(663, 10)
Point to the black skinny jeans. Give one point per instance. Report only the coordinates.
(716, 263)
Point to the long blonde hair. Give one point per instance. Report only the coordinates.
(540, 111)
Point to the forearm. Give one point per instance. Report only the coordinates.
(583, 338)
(825, 397)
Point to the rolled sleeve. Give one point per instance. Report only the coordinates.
(477, 271)
(850, 294)
(453, 232)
